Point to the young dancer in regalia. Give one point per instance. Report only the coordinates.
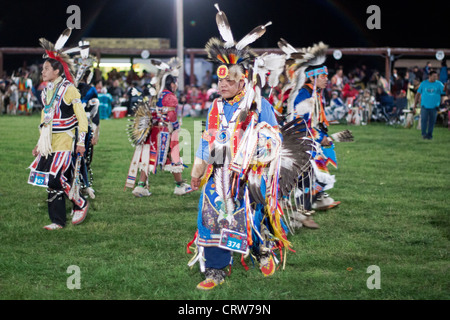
(305, 102)
(89, 99)
(61, 115)
(309, 105)
(154, 133)
(291, 81)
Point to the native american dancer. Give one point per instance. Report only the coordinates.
(290, 80)
(84, 63)
(309, 105)
(154, 132)
(306, 102)
(63, 112)
(244, 162)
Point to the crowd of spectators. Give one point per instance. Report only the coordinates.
(20, 90)
(359, 95)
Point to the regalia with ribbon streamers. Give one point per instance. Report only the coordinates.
(251, 162)
(56, 52)
(302, 64)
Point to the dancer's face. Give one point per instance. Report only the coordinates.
(48, 73)
(322, 81)
(173, 86)
(229, 88)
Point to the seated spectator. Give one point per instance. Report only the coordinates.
(444, 111)
(337, 80)
(386, 102)
(385, 99)
(401, 103)
(367, 102)
(381, 82)
(337, 110)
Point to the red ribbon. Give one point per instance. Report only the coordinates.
(190, 243)
(243, 263)
(55, 56)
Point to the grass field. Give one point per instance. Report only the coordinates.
(394, 188)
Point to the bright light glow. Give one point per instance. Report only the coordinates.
(115, 64)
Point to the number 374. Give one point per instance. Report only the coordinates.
(233, 244)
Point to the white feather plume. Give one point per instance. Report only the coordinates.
(224, 27)
(252, 36)
(286, 47)
(63, 39)
(160, 64)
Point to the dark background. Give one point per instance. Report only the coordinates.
(408, 24)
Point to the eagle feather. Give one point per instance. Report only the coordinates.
(224, 27)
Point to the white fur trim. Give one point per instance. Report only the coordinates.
(45, 141)
(173, 169)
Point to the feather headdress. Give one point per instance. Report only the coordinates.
(172, 67)
(297, 61)
(56, 52)
(229, 52)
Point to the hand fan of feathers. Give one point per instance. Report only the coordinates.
(296, 153)
(342, 136)
(140, 126)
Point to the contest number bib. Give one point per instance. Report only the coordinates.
(38, 178)
(234, 241)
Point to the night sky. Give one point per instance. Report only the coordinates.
(338, 23)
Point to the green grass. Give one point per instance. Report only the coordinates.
(393, 185)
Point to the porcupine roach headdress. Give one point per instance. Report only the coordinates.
(84, 62)
(55, 51)
(231, 56)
